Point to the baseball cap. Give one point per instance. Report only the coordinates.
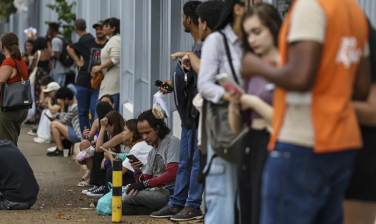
(52, 86)
(99, 23)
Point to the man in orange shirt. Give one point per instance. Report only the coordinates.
(324, 64)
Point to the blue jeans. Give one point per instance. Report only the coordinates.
(303, 187)
(59, 78)
(87, 100)
(187, 192)
(221, 186)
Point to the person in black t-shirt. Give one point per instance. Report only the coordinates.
(86, 54)
(18, 186)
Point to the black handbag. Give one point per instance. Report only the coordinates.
(17, 95)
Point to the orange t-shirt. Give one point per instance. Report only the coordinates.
(334, 121)
(21, 65)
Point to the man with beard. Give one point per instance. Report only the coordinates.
(86, 54)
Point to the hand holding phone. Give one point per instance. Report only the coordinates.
(164, 86)
(231, 88)
(132, 157)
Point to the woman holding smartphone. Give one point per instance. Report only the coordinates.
(260, 26)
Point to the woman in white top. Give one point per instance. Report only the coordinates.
(133, 139)
(110, 61)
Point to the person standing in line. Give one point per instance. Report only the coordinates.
(10, 121)
(58, 71)
(324, 66)
(221, 182)
(110, 61)
(86, 54)
(208, 14)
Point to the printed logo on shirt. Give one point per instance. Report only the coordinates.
(95, 57)
(348, 52)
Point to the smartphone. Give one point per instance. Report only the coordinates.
(159, 84)
(132, 157)
(223, 79)
(49, 118)
(108, 151)
(229, 87)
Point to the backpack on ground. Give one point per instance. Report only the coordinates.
(65, 59)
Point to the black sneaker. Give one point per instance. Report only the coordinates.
(128, 209)
(89, 190)
(57, 152)
(188, 213)
(99, 192)
(166, 212)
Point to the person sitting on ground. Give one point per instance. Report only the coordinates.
(105, 106)
(132, 139)
(68, 125)
(156, 182)
(18, 188)
(112, 126)
(97, 177)
(52, 109)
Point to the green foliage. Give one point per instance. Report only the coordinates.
(6, 9)
(65, 18)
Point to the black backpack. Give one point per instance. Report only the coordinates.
(65, 59)
(185, 89)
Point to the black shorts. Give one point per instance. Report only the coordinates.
(362, 185)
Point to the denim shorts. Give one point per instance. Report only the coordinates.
(72, 134)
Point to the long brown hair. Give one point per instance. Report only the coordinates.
(137, 137)
(269, 17)
(115, 119)
(10, 42)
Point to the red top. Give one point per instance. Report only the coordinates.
(21, 65)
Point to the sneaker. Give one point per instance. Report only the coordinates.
(57, 152)
(33, 132)
(128, 209)
(99, 192)
(166, 212)
(89, 190)
(41, 140)
(51, 149)
(188, 213)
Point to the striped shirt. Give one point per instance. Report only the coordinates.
(214, 61)
(71, 118)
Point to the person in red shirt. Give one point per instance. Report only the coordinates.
(10, 122)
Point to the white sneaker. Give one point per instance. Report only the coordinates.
(32, 133)
(51, 149)
(41, 140)
(89, 190)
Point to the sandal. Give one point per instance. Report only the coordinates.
(84, 184)
(84, 177)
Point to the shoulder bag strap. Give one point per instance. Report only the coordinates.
(18, 69)
(227, 48)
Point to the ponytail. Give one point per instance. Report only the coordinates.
(10, 42)
(15, 52)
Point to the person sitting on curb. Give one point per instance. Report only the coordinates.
(52, 109)
(156, 183)
(18, 188)
(68, 125)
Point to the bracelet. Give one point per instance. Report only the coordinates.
(146, 183)
(134, 172)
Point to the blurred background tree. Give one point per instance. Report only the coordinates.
(6, 9)
(65, 18)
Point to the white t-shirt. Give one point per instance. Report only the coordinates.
(140, 151)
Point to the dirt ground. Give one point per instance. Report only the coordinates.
(59, 199)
